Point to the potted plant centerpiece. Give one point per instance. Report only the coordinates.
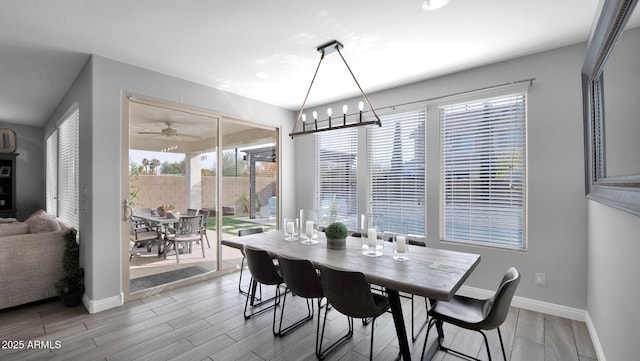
(164, 209)
(336, 234)
(71, 286)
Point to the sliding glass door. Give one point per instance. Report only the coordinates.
(182, 161)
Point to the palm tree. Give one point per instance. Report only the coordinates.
(145, 164)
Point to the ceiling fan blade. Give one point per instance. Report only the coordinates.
(146, 132)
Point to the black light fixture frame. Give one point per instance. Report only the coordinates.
(326, 49)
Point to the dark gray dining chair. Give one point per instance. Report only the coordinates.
(246, 232)
(349, 293)
(475, 314)
(303, 280)
(263, 272)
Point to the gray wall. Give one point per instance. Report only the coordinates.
(100, 91)
(614, 289)
(30, 179)
(557, 218)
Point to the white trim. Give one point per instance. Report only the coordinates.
(104, 304)
(553, 309)
(594, 338)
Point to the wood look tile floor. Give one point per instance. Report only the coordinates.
(205, 322)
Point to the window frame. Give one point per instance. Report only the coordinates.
(476, 97)
(362, 138)
(389, 118)
(67, 209)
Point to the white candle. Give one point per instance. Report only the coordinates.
(309, 226)
(371, 234)
(290, 227)
(401, 244)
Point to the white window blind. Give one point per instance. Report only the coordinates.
(68, 167)
(52, 173)
(396, 153)
(483, 171)
(337, 182)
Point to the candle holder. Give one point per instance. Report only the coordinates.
(373, 235)
(291, 226)
(401, 243)
(309, 226)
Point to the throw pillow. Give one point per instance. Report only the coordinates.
(8, 220)
(43, 222)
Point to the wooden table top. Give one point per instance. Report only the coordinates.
(429, 272)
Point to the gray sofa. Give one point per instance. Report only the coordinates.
(30, 258)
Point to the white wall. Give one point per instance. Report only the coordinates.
(614, 286)
(104, 82)
(557, 235)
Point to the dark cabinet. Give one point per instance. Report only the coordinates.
(8, 185)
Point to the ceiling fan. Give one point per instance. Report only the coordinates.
(168, 132)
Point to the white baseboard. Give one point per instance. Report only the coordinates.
(100, 305)
(530, 304)
(594, 338)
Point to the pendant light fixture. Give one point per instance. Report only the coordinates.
(339, 122)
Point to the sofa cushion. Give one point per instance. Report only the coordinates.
(10, 229)
(8, 220)
(42, 222)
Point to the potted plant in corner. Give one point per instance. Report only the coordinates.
(336, 234)
(71, 286)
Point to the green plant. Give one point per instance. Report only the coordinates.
(244, 201)
(336, 230)
(73, 280)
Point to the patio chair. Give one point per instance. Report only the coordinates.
(186, 232)
(203, 230)
(140, 235)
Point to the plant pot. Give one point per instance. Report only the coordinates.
(72, 299)
(162, 212)
(336, 243)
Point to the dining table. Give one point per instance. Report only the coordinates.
(155, 220)
(430, 272)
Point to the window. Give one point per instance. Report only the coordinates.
(396, 167)
(483, 171)
(337, 182)
(62, 170)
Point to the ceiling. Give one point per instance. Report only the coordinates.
(224, 44)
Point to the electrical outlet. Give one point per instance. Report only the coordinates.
(541, 279)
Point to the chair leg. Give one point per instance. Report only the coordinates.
(322, 354)
(207, 237)
(373, 325)
(240, 280)
(414, 335)
(504, 354)
(441, 347)
(253, 286)
(310, 311)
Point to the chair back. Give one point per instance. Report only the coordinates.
(248, 231)
(188, 225)
(261, 266)
(301, 277)
(192, 212)
(500, 302)
(205, 216)
(348, 292)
